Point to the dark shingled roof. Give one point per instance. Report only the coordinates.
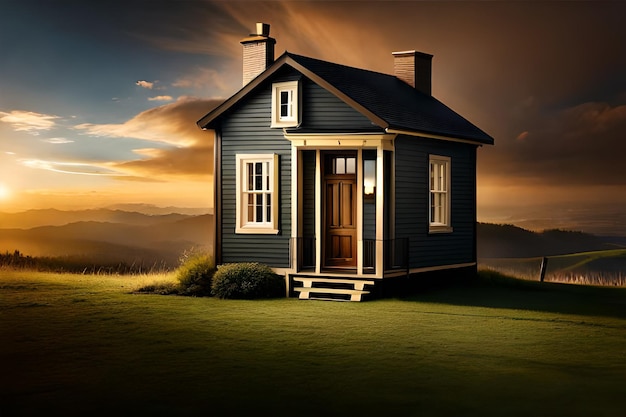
(389, 99)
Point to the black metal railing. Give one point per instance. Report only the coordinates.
(395, 254)
(369, 256)
(306, 253)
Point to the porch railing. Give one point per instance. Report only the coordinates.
(395, 254)
(306, 253)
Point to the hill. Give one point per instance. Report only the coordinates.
(159, 242)
(508, 241)
(52, 217)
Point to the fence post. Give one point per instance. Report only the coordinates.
(544, 266)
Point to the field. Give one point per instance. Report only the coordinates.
(87, 345)
(606, 267)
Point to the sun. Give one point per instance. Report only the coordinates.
(5, 192)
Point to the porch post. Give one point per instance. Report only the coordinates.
(296, 204)
(318, 212)
(380, 215)
(359, 211)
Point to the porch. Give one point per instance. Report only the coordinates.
(311, 281)
(342, 193)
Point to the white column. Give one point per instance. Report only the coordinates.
(296, 178)
(318, 212)
(380, 215)
(359, 212)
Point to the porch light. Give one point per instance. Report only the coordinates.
(369, 179)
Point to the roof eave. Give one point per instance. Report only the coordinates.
(451, 138)
(204, 122)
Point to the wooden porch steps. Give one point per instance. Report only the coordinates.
(335, 289)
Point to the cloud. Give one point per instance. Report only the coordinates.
(205, 78)
(58, 141)
(523, 135)
(194, 163)
(145, 84)
(27, 121)
(161, 98)
(173, 123)
(191, 154)
(70, 167)
(580, 145)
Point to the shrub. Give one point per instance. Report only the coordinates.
(247, 281)
(195, 274)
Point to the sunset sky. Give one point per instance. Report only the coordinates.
(99, 99)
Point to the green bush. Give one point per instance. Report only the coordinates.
(195, 274)
(247, 281)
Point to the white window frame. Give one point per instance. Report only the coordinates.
(269, 193)
(292, 105)
(439, 190)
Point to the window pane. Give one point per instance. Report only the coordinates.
(250, 210)
(250, 175)
(438, 201)
(350, 165)
(268, 199)
(259, 208)
(285, 104)
(432, 176)
(432, 208)
(258, 178)
(442, 185)
(340, 166)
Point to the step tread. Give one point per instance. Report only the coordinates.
(339, 281)
(330, 290)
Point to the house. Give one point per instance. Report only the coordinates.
(339, 178)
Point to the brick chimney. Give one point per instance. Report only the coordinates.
(415, 69)
(258, 52)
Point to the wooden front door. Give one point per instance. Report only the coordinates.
(340, 211)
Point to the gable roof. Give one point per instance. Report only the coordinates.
(386, 100)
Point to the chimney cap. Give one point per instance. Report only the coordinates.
(412, 52)
(262, 35)
(262, 29)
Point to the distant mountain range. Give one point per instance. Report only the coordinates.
(156, 210)
(140, 215)
(152, 235)
(508, 241)
(106, 236)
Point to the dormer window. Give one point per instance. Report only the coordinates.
(285, 104)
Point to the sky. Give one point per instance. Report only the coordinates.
(99, 99)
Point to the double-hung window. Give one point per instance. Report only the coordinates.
(285, 104)
(257, 194)
(439, 196)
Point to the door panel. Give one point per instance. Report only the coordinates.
(340, 220)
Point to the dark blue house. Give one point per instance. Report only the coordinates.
(340, 178)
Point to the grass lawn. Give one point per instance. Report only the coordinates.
(85, 345)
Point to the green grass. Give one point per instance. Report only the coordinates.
(606, 267)
(86, 345)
